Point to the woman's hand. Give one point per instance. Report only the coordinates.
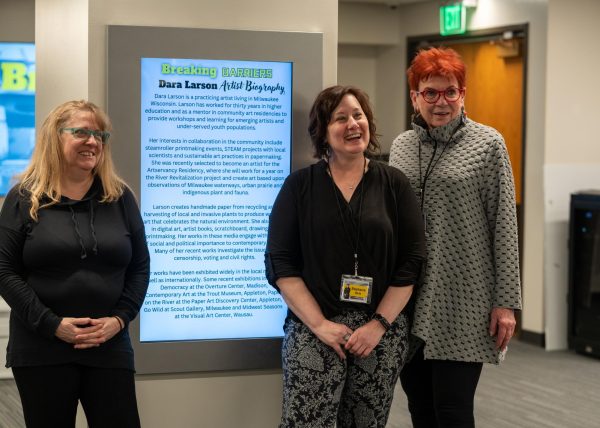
(70, 328)
(86, 333)
(364, 339)
(303, 304)
(333, 334)
(502, 325)
(107, 328)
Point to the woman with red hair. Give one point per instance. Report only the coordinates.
(469, 288)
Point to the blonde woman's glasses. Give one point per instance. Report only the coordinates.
(83, 134)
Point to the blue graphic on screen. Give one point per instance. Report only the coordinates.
(17, 110)
(215, 150)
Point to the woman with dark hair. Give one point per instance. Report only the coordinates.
(464, 308)
(74, 268)
(344, 249)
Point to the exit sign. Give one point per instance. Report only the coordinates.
(453, 19)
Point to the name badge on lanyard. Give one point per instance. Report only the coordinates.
(356, 289)
(353, 288)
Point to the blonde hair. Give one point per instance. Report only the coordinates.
(41, 179)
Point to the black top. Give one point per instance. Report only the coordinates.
(308, 238)
(81, 259)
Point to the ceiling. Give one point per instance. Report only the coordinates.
(384, 2)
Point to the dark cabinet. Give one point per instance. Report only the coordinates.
(584, 273)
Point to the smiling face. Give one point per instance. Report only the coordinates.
(80, 156)
(441, 112)
(348, 129)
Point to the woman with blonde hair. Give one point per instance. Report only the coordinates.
(74, 269)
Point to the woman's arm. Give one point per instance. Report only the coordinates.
(410, 233)
(136, 280)
(498, 193)
(21, 298)
(137, 275)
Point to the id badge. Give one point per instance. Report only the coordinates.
(356, 289)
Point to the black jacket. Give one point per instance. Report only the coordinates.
(80, 259)
(312, 234)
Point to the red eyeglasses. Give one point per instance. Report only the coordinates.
(451, 94)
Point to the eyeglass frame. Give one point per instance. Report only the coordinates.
(439, 94)
(104, 136)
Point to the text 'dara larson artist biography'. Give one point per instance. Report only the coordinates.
(215, 149)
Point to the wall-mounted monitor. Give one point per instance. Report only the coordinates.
(17, 110)
(207, 125)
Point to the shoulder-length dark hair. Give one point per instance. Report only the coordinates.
(320, 116)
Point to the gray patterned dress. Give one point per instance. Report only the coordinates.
(471, 230)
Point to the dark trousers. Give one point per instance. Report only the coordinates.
(49, 395)
(440, 393)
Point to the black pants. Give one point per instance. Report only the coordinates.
(49, 395)
(440, 393)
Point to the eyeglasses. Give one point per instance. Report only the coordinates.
(431, 95)
(83, 134)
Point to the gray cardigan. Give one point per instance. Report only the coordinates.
(471, 231)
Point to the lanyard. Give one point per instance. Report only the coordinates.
(431, 164)
(339, 205)
(429, 170)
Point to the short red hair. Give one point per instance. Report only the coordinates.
(445, 62)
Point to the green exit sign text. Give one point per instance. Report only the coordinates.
(453, 19)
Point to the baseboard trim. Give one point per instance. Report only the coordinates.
(538, 339)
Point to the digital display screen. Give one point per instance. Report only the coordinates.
(215, 149)
(17, 110)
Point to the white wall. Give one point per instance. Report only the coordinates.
(572, 155)
(61, 43)
(573, 90)
(357, 65)
(391, 87)
(71, 46)
(368, 38)
(368, 25)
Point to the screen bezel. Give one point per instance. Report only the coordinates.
(126, 45)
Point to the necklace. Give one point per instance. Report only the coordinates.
(350, 211)
(349, 186)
